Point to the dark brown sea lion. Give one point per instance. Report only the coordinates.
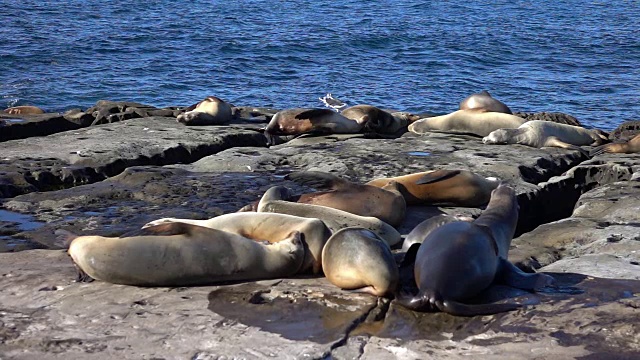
(179, 254)
(210, 111)
(442, 187)
(305, 121)
(484, 102)
(377, 120)
(460, 259)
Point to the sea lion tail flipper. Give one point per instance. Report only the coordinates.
(415, 303)
(311, 113)
(318, 180)
(437, 175)
(460, 309)
(64, 238)
(513, 276)
(253, 207)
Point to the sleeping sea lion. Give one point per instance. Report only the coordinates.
(179, 254)
(474, 122)
(210, 111)
(304, 121)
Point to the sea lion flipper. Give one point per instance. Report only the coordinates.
(512, 275)
(311, 113)
(318, 180)
(437, 175)
(555, 142)
(460, 309)
(600, 150)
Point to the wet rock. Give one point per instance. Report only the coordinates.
(24, 126)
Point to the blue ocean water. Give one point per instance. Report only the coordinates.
(573, 56)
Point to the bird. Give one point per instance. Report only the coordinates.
(329, 101)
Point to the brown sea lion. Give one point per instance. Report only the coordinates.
(385, 203)
(474, 122)
(272, 201)
(305, 121)
(484, 102)
(210, 111)
(460, 259)
(179, 254)
(268, 227)
(631, 146)
(356, 258)
(442, 187)
(540, 133)
(377, 120)
(23, 110)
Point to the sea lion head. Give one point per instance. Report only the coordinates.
(500, 136)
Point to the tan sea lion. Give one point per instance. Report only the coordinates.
(179, 254)
(631, 146)
(210, 111)
(540, 133)
(377, 120)
(460, 259)
(356, 258)
(442, 187)
(304, 121)
(23, 110)
(483, 101)
(268, 227)
(334, 219)
(475, 122)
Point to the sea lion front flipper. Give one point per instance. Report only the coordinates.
(460, 309)
(311, 113)
(319, 180)
(555, 142)
(437, 175)
(511, 275)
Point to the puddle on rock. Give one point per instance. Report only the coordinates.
(419, 153)
(25, 222)
(292, 315)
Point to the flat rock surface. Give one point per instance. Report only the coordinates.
(578, 221)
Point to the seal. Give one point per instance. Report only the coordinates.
(485, 102)
(335, 219)
(540, 133)
(385, 203)
(210, 111)
(475, 122)
(377, 120)
(631, 146)
(442, 187)
(179, 254)
(268, 227)
(356, 258)
(304, 121)
(23, 110)
(460, 259)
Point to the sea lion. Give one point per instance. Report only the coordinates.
(23, 110)
(631, 146)
(474, 122)
(377, 120)
(458, 260)
(484, 102)
(540, 133)
(303, 121)
(356, 258)
(422, 230)
(268, 227)
(179, 254)
(210, 111)
(442, 187)
(335, 219)
(385, 203)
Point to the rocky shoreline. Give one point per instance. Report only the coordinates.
(114, 167)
